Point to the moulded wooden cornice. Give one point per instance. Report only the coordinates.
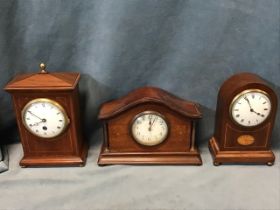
(48, 81)
(149, 94)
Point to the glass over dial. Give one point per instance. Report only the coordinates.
(149, 128)
(44, 118)
(250, 108)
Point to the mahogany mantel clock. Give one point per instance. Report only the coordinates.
(149, 126)
(47, 112)
(245, 114)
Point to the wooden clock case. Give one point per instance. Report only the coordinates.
(67, 149)
(119, 147)
(224, 144)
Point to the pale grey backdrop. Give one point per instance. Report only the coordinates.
(187, 47)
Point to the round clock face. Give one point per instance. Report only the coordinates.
(250, 108)
(44, 118)
(149, 128)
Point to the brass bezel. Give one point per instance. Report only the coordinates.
(243, 93)
(146, 113)
(47, 100)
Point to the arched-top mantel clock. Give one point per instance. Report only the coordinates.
(149, 126)
(245, 115)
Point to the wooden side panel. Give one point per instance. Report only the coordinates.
(80, 142)
(121, 140)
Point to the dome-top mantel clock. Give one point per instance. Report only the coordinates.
(245, 115)
(47, 111)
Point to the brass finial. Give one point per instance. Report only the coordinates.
(43, 68)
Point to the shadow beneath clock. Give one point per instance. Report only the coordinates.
(205, 127)
(92, 95)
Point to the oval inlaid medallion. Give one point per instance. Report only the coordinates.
(245, 140)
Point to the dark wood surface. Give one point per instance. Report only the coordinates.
(119, 146)
(242, 156)
(49, 81)
(69, 148)
(150, 95)
(227, 132)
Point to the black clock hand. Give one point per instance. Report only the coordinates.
(258, 113)
(43, 120)
(37, 123)
(150, 123)
(245, 97)
(34, 115)
(251, 109)
(153, 122)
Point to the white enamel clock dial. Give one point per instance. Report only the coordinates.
(44, 118)
(250, 108)
(149, 128)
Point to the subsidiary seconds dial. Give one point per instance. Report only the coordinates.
(149, 128)
(44, 118)
(250, 108)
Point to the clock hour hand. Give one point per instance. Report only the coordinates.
(258, 113)
(37, 123)
(150, 124)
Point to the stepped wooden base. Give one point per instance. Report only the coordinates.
(159, 158)
(37, 161)
(257, 157)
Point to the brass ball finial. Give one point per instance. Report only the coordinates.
(43, 68)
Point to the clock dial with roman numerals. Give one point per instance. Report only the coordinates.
(44, 118)
(250, 108)
(149, 128)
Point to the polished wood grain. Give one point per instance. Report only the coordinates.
(224, 144)
(241, 156)
(119, 146)
(147, 95)
(67, 149)
(49, 81)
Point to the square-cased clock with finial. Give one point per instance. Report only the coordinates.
(149, 126)
(47, 112)
(245, 115)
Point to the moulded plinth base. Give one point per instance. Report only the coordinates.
(257, 157)
(65, 160)
(153, 158)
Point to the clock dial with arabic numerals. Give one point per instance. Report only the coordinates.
(250, 108)
(149, 128)
(44, 118)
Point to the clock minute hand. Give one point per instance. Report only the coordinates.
(36, 116)
(153, 122)
(248, 103)
(251, 109)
